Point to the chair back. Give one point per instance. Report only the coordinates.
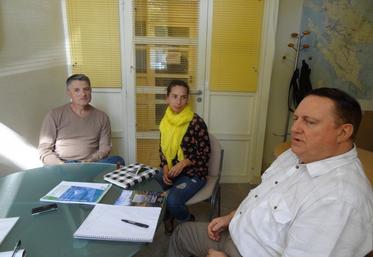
(211, 190)
(280, 148)
(366, 158)
(363, 137)
(216, 157)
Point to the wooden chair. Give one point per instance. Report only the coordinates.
(280, 148)
(366, 158)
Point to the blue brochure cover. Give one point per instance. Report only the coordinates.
(77, 192)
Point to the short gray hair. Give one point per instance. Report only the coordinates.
(81, 77)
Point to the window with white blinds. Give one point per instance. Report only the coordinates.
(95, 40)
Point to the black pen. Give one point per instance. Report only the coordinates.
(16, 248)
(136, 223)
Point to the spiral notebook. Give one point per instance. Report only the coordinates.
(120, 223)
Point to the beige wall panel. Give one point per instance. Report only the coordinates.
(111, 103)
(231, 114)
(117, 144)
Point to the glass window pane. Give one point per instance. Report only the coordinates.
(166, 32)
(148, 151)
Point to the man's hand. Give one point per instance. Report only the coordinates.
(218, 225)
(214, 253)
(166, 178)
(178, 168)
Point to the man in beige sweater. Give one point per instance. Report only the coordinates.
(77, 131)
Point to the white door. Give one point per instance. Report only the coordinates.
(165, 42)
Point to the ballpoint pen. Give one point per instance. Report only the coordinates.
(137, 171)
(16, 248)
(135, 223)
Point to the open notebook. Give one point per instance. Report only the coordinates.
(105, 222)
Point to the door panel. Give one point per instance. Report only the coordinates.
(166, 48)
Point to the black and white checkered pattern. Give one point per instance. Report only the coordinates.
(125, 177)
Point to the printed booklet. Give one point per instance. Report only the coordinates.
(77, 192)
(141, 198)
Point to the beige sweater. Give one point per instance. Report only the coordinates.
(65, 135)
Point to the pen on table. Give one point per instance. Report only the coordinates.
(135, 171)
(135, 223)
(16, 248)
(138, 170)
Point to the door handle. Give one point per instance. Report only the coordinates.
(196, 92)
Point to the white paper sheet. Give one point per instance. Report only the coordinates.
(6, 225)
(9, 253)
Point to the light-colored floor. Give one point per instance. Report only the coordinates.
(231, 196)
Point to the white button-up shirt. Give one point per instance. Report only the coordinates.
(319, 209)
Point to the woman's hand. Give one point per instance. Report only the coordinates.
(214, 253)
(218, 225)
(178, 168)
(166, 178)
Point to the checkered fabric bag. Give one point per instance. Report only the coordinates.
(126, 176)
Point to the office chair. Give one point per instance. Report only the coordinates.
(211, 190)
(366, 158)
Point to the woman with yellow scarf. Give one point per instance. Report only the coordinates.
(184, 153)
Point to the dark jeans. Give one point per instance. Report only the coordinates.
(110, 159)
(182, 189)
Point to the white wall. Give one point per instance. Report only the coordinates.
(32, 74)
(289, 19)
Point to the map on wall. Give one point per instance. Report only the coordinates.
(341, 45)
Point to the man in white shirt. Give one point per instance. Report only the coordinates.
(314, 200)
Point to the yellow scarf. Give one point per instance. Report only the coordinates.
(173, 127)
